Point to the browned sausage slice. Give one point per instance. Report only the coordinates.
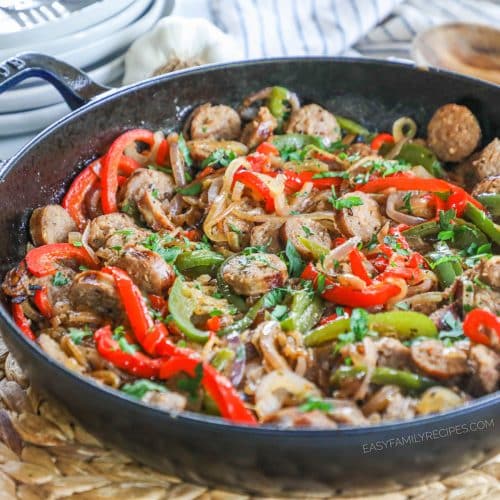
(296, 228)
(438, 361)
(147, 269)
(314, 120)
(95, 291)
(201, 149)
(254, 274)
(50, 224)
(453, 132)
(489, 185)
(490, 272)
(485, 368)
(259, 129)
(104, 226)
(266, 235)
(487, 163)
(218, 122)
(363, 220)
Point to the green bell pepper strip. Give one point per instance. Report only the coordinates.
(351, 126)
(491, 201)
(464, 233)
(384, 376)
(181, 308)
(276, 103)
(481, 220)
(404, 324)
(446, 266)
(415, 154)
(221, 358)
(318, 251)
(198, 262)
(297, 141)
(305, 311)
(245, 322)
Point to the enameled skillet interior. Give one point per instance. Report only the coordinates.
(207, 450)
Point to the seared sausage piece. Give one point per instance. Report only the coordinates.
(296, 228)
(104, 226)
(359, 148)
(392, 353)
(95, 291)
(201, 149)
(490, 272)
(453, 133)
(218, 122)
(314, 120)
(266, 235)
(259, 129)
(50, 224)
(143, 180)
(147, 269)
(363, 220)
(487, 163)
(436, 360)
(489, 185)
(486, 369)
(254, 274)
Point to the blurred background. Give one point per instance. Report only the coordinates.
(120, 42)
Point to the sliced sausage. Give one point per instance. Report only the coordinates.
(359, 148)
(438, 361)
(392, 353)
(259, 129)
(490, 272)
(95, 291)
(362, 220)
(254, 274)
(266, 235)
(147, 269)
(485, 369)
(240, 229)
(50, 224)
(453, 133)
(104, 226)
(201, 149)
(487, 162)
(144, 180)
(296, 228)
(152, 212)
(489, 185)
(314, 120)
(218, 122)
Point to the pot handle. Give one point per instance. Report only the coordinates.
(74, 85)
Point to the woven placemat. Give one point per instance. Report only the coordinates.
(46, 454)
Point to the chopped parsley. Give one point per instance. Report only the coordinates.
(359, 329)
(307, 231)
(83, 268)
(127, 233)
(125, 346)
(235, 229)
(130, 208)
(325, 175)
(279, 312)
(184, 150)
(445, 219)
(348, 202)
(78, 334)
(155, 243)
(274, 297)
(407, 202)
(192, 190)
(139, 388)
(59, 279)
(454, 329)
(155, 193)
(392, 242)
(295, 263)
(313, 403)
(220, 157)
(191, 385)
(449, 234)
(215, 312)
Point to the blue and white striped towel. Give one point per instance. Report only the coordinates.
(375, 28)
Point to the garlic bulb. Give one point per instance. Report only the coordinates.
(176, 43)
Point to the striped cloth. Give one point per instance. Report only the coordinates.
(374, 28)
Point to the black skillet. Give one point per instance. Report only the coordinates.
(207, 450)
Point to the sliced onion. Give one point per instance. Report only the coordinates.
(302, 197)
(176, 160)
(277, 188)
(390, 207)
(158, 138)
(396, 149)
(214, 189)
(403, 291)
(398, 128)
(370, 360)
(238, 367)
(229, 173)
(85, 244)
(422, 172)
(350, 280)
(131, 152)
(267, 333)
(339, 253)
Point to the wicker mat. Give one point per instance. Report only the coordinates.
(45, 454)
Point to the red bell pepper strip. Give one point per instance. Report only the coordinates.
(205, 172)
(375, 294)
(136, 363)
(40, 260)
(259, 163)
(457, 201)
(73, 201)
(346, 314)
(475, 322)
(147, 333)
(111, 164)
(42, 302)
(22, 321)
(162, 153)
(381, 139)
(214, 324)
(128, 165)
(157, 302)
(356, 259)
(405, 182)
(268, 149)
(218, 387)
(258, 187)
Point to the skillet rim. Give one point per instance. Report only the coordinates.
(198, 419)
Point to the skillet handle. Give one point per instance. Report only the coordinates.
(74, 85)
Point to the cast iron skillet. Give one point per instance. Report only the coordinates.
(198, 448)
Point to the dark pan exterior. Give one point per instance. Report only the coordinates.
(210, 451)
